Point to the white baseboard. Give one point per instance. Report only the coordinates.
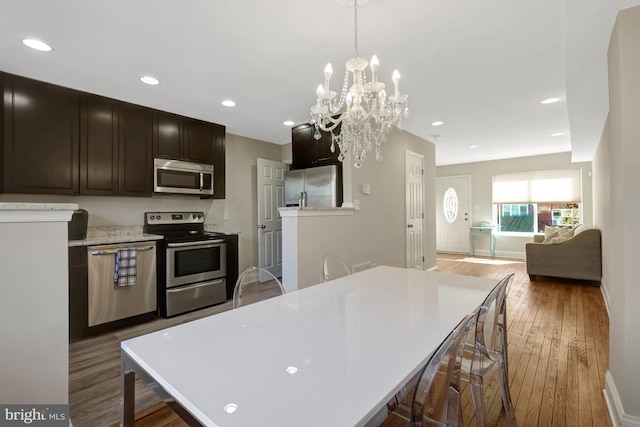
(434, 268)
(614, 404)
(506, 254)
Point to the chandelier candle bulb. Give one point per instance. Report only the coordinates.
(328, 71)
(396, 82)
(375, 64)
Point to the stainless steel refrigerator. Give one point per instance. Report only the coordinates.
(319, 185)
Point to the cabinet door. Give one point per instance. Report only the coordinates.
(302, 146)
(309, 152)
(232, 263)
(322, 149)
(219, 161)
(197, 139)
(99, 146)
(78, 291)
(41, 148)
(166, 135)
(135, 143)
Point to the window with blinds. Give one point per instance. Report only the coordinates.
(527, 202)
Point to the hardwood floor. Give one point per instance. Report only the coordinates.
(558, 334)
(558, 354)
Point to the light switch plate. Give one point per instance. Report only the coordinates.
(366, 189)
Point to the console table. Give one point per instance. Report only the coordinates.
(480, 231)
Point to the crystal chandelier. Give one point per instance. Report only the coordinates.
(364, 112)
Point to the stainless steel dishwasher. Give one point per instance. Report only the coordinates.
(109, 301)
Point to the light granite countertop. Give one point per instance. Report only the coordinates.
(21, 206)
(112, 235)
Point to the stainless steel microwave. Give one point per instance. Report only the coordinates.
(178, 177)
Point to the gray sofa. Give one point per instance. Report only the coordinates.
(580, 257)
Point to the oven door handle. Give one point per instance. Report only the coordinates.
(195, 286)
(201, 243)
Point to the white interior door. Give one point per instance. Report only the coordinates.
(270, 197)
(453, 218)
(414, 209)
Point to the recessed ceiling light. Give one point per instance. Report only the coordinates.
(292, 370)
(549, 100)
(438, 123)
(288, 123)
(474, 146)
(228, 103)
(557, 134)
(149, 80)
(37, 45)
(230, 408)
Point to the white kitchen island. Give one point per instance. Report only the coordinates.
(327, 355)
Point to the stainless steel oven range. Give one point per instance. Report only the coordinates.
(192, 273)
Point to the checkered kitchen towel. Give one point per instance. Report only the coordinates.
(126, 272)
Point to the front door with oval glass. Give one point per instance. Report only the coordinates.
(452, 214)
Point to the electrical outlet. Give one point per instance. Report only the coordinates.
(226, 215)
(360, 267)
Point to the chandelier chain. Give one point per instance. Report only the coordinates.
(355, 25)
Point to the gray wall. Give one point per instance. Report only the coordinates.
(378, 230)
(616, 177)
(481, 174)
(381, 219)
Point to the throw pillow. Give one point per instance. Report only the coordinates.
(559, 239)
(551, 232)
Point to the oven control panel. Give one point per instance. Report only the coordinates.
(159, 218)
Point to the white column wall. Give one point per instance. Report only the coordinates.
(34, 307)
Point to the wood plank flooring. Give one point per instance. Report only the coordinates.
(558, 354)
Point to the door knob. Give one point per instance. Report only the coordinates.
(262, 226)
(410, 226)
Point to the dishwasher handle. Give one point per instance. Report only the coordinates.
(115, 251)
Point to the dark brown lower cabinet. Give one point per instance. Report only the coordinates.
(232, 263)
(78, 292)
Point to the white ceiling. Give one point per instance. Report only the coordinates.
(482, 67)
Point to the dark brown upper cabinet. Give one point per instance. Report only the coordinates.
(308, 152)
(55, 140)
(219, 161)
(98, 146)
(40, 137)
(136, 143)
(183, 138)
(115, 148)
